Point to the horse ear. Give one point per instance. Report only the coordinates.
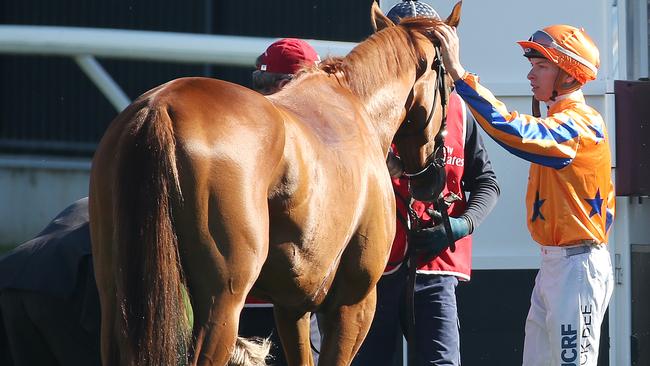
(377, 18)
(454, 17)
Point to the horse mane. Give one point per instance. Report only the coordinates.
(383, 55)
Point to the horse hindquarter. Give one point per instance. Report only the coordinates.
(226, 158)
(175, 197)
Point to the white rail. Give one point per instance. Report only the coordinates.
(84, 44)
(145, 45)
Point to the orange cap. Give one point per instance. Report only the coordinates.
(568, 47)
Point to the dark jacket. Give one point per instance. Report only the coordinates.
(51, 261)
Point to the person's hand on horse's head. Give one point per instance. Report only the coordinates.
(433, 240)
(450, 50)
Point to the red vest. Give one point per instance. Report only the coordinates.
(458, 263)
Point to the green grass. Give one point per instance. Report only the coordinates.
(4, 248)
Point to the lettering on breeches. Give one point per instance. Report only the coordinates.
(569, 340)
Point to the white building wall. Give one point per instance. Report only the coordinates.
(34, 189)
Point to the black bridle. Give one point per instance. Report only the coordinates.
(434, 164)
(436, 161)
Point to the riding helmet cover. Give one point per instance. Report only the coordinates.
(411, 8)
(570, 48)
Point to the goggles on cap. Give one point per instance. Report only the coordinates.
(544, 39)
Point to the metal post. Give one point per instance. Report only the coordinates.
(103, 81)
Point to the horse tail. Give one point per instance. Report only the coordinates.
(154, 322)
(250, 352)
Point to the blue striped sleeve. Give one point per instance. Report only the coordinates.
(527, 137)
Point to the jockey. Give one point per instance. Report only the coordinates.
(439, 270)
(570, 198)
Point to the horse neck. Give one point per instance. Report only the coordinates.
(385, 105)
(381, 72)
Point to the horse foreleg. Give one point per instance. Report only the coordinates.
(294, 331)
(345, 327)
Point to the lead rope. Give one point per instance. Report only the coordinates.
(416, 224)
(442, 204)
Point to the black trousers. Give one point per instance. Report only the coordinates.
(45, 330)
(5, 352)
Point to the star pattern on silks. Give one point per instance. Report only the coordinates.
(537, 208)
(596, 204)
(609, 219)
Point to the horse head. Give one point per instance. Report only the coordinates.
(420, 137)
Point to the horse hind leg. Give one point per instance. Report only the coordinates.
(216, 324)
(247, 351)
(222, 259)
(294, 330)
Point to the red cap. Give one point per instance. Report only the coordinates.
(287, 56)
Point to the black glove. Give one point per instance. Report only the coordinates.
(433, 240)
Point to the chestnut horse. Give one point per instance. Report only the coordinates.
(202, 191)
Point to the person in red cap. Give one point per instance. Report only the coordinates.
(570, 196)
(280, 62)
